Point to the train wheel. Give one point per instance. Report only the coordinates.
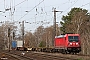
(63, 51)
(73, 53)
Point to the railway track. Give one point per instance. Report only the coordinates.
(67, 56)
(13, 56)
(45, 56)
(35, 56)
(23, 55)
(77, 56)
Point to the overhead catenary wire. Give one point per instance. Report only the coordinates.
(85, 4)
(69, 7)
(64, 11)
(20, 3)
(45, 6)
(31, 10)
(74, 4)
(44, 9)
(4, 4)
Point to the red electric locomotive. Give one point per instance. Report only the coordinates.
(68, 43)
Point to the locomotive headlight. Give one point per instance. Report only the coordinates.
(77, 44)
(70, 43)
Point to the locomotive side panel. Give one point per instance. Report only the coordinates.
(60, 42)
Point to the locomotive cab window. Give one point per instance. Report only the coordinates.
(73, 38)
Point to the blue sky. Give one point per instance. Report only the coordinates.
(38, 12)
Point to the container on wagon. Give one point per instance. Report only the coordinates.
(19, 43)
(14, 44)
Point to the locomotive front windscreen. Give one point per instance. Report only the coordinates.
(73, 38)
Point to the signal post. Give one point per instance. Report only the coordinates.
(9, 39)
